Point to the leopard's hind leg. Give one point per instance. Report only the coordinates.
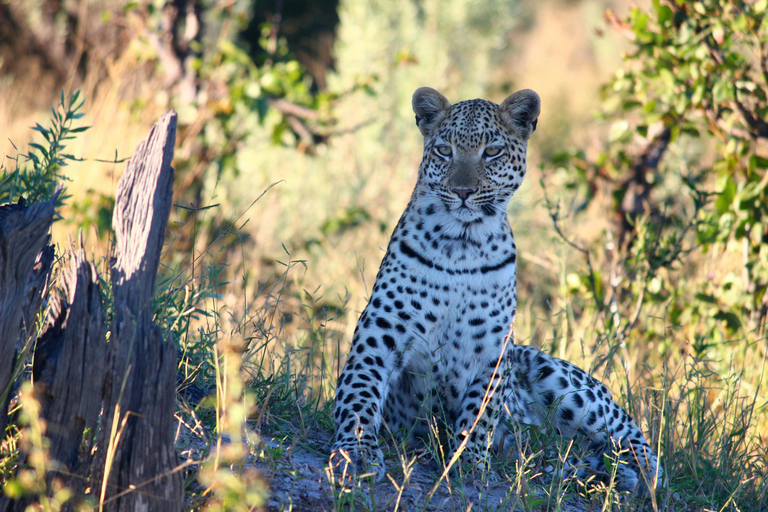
(577, 405)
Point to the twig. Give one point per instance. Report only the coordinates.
(288, 108)
(554, 210)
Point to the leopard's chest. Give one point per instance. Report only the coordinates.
(457, 324)
(473, 318)
(457, 294)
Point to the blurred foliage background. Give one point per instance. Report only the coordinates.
(313, 95)
(641, 226)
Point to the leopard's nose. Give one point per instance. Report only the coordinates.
(463, 193)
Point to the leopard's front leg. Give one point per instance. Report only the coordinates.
(480, 412)
(374, 364)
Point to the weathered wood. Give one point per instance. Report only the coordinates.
(134, 467)
(68, 370)
(25, 264)
(68, 376)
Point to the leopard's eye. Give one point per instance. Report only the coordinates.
(443, 150)
(491, 152)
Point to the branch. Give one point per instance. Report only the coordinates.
(554, 209)
(291, 109)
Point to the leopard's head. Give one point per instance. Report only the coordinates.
(474, 151)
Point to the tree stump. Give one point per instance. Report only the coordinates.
(68, 376)
(25, 264)
(136, 467)
(75, 370)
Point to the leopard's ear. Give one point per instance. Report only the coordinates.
(520, 111)
(430, 107)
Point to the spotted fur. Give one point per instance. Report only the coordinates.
(435, 338)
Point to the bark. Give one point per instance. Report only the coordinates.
(68, 373)
(637, 189)
(137, 467)
(25, 264)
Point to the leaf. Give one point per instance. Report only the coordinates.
(630, 104)
(664, 14)
(691, 128)
(13, 489)
(749, 194)
(704, 297)
(758, 162)
(667, 79)
(681, 105)
(608, 463)
(72, 157)
(39, 148)
(746, 84)
(39, 128)
(698, 94)
(732, 321)
(639, 21)
(721, 92)
(725, 196)
(619, 131)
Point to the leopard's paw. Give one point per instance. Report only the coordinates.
(349, 463)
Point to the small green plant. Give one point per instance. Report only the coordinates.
(41, 170)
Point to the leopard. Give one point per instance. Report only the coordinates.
(437, 333)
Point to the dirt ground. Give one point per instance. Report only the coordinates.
(298, 479)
